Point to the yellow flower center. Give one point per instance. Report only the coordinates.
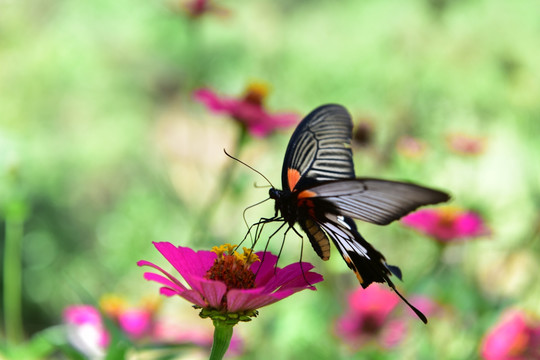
(448, 216)
(113, 305)
(255, 93)
(233, 268)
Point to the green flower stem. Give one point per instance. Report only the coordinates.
(222, 338)
(12, 272)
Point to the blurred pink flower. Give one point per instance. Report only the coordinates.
(447, 224)
(464, 144)
(85, 330)
(411, 147)
(226, 282)
(136, 322)
(248, 110)
(514, 337)
(367, 318)
(371, 317)
(197, 8)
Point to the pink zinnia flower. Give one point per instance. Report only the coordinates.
(372, 317)
(222, 282)
(247, 110)
(85, 330)
(136, 322)
(447, 224)
(464, 144)
(368, 318)
(514, 337)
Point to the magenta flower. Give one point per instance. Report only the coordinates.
(137, 322)
(226, 283)
(247, 110)
(85, 330)
(514, 337)
(447, 224)
(368, 318)
(372, 317)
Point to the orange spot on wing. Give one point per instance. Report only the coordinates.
(293, 176)
(359, 277)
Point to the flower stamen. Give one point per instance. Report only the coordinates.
(232, 268)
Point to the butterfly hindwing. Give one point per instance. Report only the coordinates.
(368, 264)
(319, 148)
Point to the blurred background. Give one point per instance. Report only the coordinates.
(103, 149)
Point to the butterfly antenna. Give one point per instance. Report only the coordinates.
(248, 166)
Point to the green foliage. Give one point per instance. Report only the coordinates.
(104, 150)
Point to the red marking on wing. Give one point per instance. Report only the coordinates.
(304, 200)
(306, 194)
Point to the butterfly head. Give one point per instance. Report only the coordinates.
(274, 193)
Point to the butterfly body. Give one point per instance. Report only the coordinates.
(322, 194)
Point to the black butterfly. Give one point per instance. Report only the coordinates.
(322, 194)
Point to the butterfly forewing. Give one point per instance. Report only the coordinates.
(373, 200)
(319, 149)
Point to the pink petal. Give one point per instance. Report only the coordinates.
(422, 220)
(169, 276)
(187, 262)
(500, 342)
(282, 120)
(82, 314)
(213, 292)
(252, 115)
(301, 280)
(264, 268)
(394, 333)
(212, 101)
(135, 322)
(432, 222)
(374, 300)
(288, 291)
(264, 123)
(164, 281)
(193, 297)
(239, 300)
(290, 273)
(470, 224)
(168, 291)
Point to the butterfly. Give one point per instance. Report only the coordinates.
(321, 194)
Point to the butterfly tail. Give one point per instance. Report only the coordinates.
(369, 265)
